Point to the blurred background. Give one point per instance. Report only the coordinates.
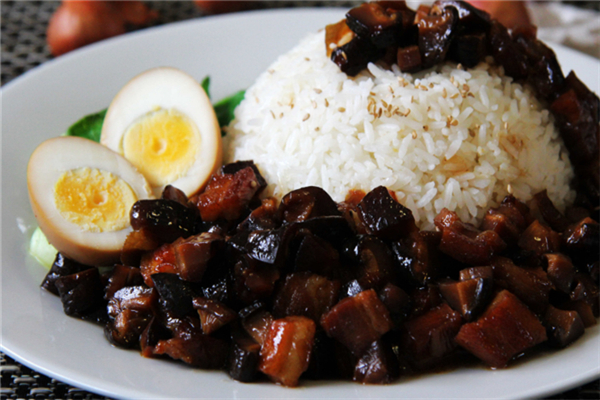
(36, 31)
(33, 32)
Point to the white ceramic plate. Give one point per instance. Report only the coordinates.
(233, 50)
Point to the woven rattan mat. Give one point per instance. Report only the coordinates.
(23, 43)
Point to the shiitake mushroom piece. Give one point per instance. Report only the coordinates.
(175, 294)
(384, 216)
(82, 295)
(470, 18)
(62, 266)
(435, 36)
(563, 326)
(130, 310)
(244, 355)
(468, 297)
(305, 294)
(378, 365)
(378, 22)
(306, 203)
(355, 55)
(165, 220)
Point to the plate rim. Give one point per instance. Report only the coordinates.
(14, 84)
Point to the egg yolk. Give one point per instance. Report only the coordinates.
(162, 145)
(95, 200)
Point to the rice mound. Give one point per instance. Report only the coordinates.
(444, 137)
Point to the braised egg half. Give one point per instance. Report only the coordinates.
(163, 122)
(81, 194)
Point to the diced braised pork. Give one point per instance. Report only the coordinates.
(506, 329)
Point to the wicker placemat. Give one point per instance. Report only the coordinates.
(23, 44)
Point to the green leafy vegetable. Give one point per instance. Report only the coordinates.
(89, 127)
(41, 250)
(206, 85)
(224, 108)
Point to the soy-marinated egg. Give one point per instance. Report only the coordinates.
(81, 194)
(163, 122)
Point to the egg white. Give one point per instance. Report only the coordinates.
(47, 163)
(168, 88)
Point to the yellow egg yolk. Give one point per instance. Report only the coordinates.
(95, 200)
(162, 145)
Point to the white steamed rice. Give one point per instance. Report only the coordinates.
(441, 138)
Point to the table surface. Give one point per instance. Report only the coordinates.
(23, 44)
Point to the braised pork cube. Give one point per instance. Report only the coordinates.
(337, 35)
(476, 272)
(468, 297)
(234, 167)
(285, 354)
(582, 241)
(378, 365)
(130, 310)
(381, 25)
(161, 260)
(435, 35)
(62, 266)
(384, 217)
(138, 243)
(531, 286)
(244, 357)
(506, 329)
(560, 270)
(120, 277)
(563, 327)
(306, 203)
(409, 58)
(429, 338)
(165, 220)
(227, 196)
(355, 55)
(198, 350)
(418, 256)
(358, 321)
(374, 262)
(464, 242)
(175, 294)
(194, 254)
(305, 294)
(540, 239)
(81, 293)
(213, 314)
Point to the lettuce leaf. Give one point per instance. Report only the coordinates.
(224, 108)
(88, 127)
